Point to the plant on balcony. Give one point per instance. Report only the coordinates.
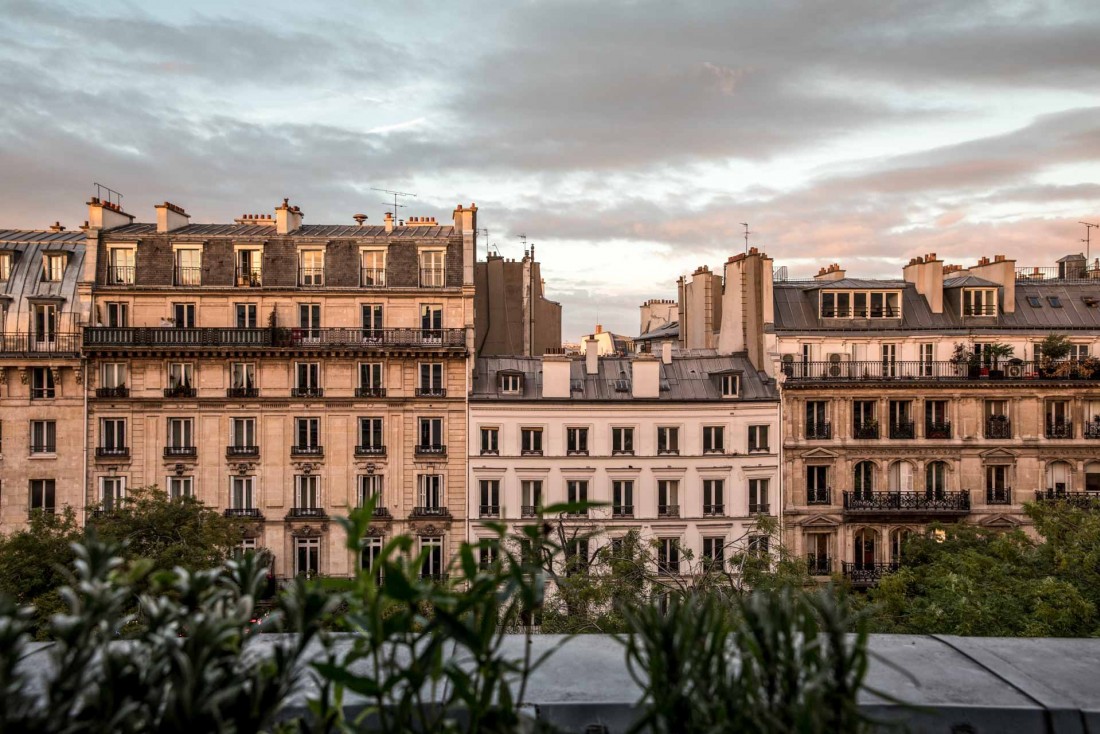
(1053, 349)
(966, 360)
(995, 352)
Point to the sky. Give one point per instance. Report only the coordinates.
(628, 141)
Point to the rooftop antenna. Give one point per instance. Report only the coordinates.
(395, 195)
(747, 233)
(523, 239)
(113, 197)
(1088, 231)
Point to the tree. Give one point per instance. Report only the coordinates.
(32, 561)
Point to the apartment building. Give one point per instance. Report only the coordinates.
(41, 375)
(683, 449)
(512, 316)
(284, 372)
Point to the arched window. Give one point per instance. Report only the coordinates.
(898, 538)
(935, 480)
(863, 482)
(1059, 478)
(865, 542)
(901, 476)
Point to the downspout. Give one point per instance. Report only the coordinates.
(87, 438)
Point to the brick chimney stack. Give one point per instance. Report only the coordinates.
(287, 218)
(171, 217)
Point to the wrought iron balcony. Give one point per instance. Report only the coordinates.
(819, 565)
(530, 452)
(669, 452)
(370, 392)
(431, 392)
(430, 449)
(380, 511)
(528, 511)
(1092, 429)
(39, 345)
(903, 429)
(998, 495)
(759, 508)
(489, 510)
(372, 277)
(242, 451)
(120, 274)
(1082, 500)
(1059, 429)
(112, 452)
(939, 430)
(249, 512)
(711, 510)
(577, 513)
(576, 452)
(311, 277)
(915, 503)
(249, 277)
(180, 391)
(307, 450)
(43, 448)
(307, 392)
(242, 392)
(668, 510)
(436, 576)
(919, 370)
(622, 511)
(306, 513)
(979, 309)
(371, 450)
(433, 277)
(120, 391)
(819, 495)
(867, 574)
(819, 431)
(430, 511)
(998, 427)
(180, 452)
(187, 276)
(100, 338)
(865, 430)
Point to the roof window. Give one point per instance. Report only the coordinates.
(1034, 302)
(1054, 301)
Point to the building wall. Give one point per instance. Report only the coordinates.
(512, 314)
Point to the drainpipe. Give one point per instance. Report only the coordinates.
(84, 431)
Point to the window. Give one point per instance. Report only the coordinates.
(371, 435)
(188, 267)
(758, 545)
(431, 549)
(531, 497)
(307, 492)
(43, 437)
(531, 441)
(1054, 301)
(183, 315)
(370, 554)
(622, 498)
(241, 495)
(838, 304)
(112, 435)
(490, 441)
(311, 267)
(307, 379)
(242, 379)
(431, 322)
(180, 434)
(118, 315)
(243, 433)
(488, 553)
(307, 556)
(1078, 351)
(42, 383)
(668, 498)
(936, 424)
(714, 551)
(1034, 302)
(430, 493)
(758, 438)
(901, 419)
(53, 267)
(668, 555)
(307, 433)
(511, 384)
(758, 496)
(309, 322)
(372, 317)
(372, 268)
(668, 440)
(997, 491)
(181, 487)
(576, 441)
(935, 480)
(1058, 423)
(713, 503)
(864, 424)
(979, 302)
(714, 439)
(817, 423)
(432, 268)
(250, 267)
(112, 375)
(431, 435)
(371, 383)
(5, 266)
(112, 490)
(927, 353)
(431, 379)
(817, 485)
(120, 268)
(45, 323)
(576, 556)
(863, 480)
(43, 495)
(576, 490)
(181, 375)
(622, 440)
(489, 505)
(370, 488)
(731, 385)
(246, 315)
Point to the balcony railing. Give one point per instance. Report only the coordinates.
(865, 430)
(530, 452)
(908, 502)
(431, 449)
(249, 277)
(819, 565)
(242, 392)
(180, 391)
(916, 370)
(372, 277)
(979, 309)
(112, 392)
(431, 392)
(307, 392)
(430, 511)
(307, 450)
(582, 452)
(112, 452)
(998, 428)
(1059, 429)
(903, 429)
(43, 448)
(718, 509)
(867, 574)
(1092, 429)
(167, 337)
(668, 510)
(187, 276)
(937, 430)
(120, 274)
(819, 431)
(370, 392)
(1082, 500)
(998, 495)
(180, 452)
(252, 512)
(371, 450)
(311, 276)
(489, 510)
(528, 511)
(242, 451)
(305, 513)
(759, 508)
(819, 495)
(32, 345)
(380, 511)
(1065, 273)
(433, 277)
(622, 511)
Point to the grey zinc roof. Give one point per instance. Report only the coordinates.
(687, 379)
(25, 282)
(241, 231)
(15, 236)
(796, 312)
(858, 283)
(969, 281)
(669, 330)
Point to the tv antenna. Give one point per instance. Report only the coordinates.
(747, 233)
(113, 197)
(395, 195)
(523, 239)
(1088, 231)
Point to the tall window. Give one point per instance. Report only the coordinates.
(997, 491)
(121, 265)
(730, 385)
(622, 440)
(490, 441)
(668, 498)
(979, 302)
(371, 435)
(935, 481)
(307, 556)
(118, 315)
(307, 379)
(372, 321)
(311, 267)
(432, 268)
(181, 487)
(863, 481)
(241, 494)
(370, 487)
(5, 266)
(431, 493)
(488, 553)
(622, 497)
(432, 552)
(864, 423)
(531, 441)
(113, 375)
(668, 555)
(246, 315)
(112, 434)
(576, 441)
(713, 502)
(431, 378)
(668, 440)
(243, 432)
(371, 383)
(817, 485)
(817, 424)
(714, 439)
(307, 433)
(309, 321)
(758, 438)
(188, 267)
(577, 491)
(307, 492)
(42, 383)
(371, 554)
(714, 551)
(431, 323)
(180, 433)
(181, 375)
(43, 437)
(431, 434)
(531, 497)
(489, 505)
(43, 495)
(183, 315)
(242, 379)
(372, 268)
(112, 490)
(53, 267)
(927, 351)
(250, 268)
(758, 496)
(45, 323)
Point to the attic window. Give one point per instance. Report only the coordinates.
(730, 385)
(53, 267)
(622, 384)
(511, 383)
(5, 266)
(576, 385)
(1034, 302)
(1054, 301)
(664, 386)
(1090, 301)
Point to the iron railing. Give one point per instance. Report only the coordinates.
(307, 450)
(370, 392)
(120, 274)
(302, 513)
(1065, 273)
(167, 337)
(759, 508)
(937, 430)
(1059, 429)
(249, 277)
(371, 450)
(819, 495)
(430, 511)
(431, 392)
(242, 392)
(310, 277)
(715, 509)
(307, 392)
(180, 391)
(867, 574)
(819, 431)
(180, 452)
(1082, 500)
(1092, 429)
(372, 277)
(819, 565)
(112, 452)
(121, 391)
(33, 345)
(433, 277)
(430, 449)
(979, 309)
(187, 276)
(489, 510)
(668, 510)
(998, 427)
(252, 512)
(998, 495)
(242, 451)
(903, 429)
(43, 448)
(902, 502)
(528, 511)
(913, 370)
(865, 430)
(622, 510)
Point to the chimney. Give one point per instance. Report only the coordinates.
(287, 218)
(359, 219)
(591, 356)
(646, 376)
(389, 222)
(599, 328)
(833, 272)
(926, 274)
(57, 227)
(171, 217)
(666, 353)
(747, 305)
(555, 375)
(105, 215)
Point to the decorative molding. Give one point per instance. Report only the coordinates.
(79, 373)
(430, 530)
(24, 375)
(3, 375)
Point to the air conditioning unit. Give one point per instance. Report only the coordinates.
(835, 368)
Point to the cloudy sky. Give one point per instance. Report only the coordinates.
(627, 141)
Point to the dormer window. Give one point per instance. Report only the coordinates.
(730, 385)
(860, 304)
(53, 267)
(5, 266)
(511, 383)
(979, 302)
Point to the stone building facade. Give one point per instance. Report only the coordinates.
(512, 316)
(283, 373)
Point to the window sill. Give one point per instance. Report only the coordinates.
(42, 455)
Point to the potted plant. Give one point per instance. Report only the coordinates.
(965, 360)
(1054, 348)
(996, 352)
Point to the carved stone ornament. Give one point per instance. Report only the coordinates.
(429, 531)
(56, 375)
(79, 373)
(179, 469)
(243, 469)
(24, 375)
(375, 532)
(307, 531)
(3, 375)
